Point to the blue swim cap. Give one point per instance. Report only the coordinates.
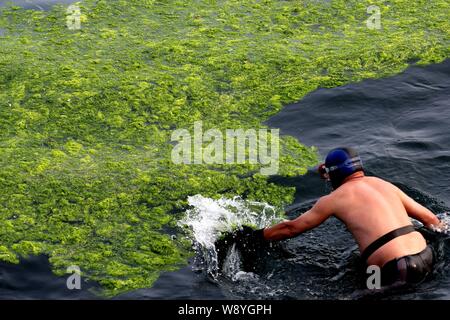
(341, 163)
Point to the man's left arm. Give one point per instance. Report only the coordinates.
(321, 211)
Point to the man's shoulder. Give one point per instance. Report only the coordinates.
(329, 200)
(365, 179)
(324, 200)
(348, 192)
(376, 179)
(373, 178)
(380, 181)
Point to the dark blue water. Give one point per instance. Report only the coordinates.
(400, 125)
(35, 4)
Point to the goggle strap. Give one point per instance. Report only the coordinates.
(351, 161)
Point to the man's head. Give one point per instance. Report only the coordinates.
(339, 164)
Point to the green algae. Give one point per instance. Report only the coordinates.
(86, 115)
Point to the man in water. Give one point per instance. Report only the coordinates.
(376, 213)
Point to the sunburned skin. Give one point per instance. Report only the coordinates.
(370, 207)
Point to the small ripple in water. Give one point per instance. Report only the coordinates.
(320, 264)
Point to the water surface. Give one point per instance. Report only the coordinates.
(401, 126)
(35, 4)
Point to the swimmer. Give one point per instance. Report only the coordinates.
(377, 214)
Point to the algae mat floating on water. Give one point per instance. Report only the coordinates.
(86, 115)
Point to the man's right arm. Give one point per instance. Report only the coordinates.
(321, 211)
(417, 211)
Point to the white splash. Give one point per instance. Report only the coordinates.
(208, 219)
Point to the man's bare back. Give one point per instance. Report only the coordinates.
(371, 207)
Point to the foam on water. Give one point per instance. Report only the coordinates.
(208, 219)
(233, 264)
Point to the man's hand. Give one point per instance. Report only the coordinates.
(440, 227)
(250, 243)
(248, 238)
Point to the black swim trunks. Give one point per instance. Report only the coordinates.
(411, 269)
